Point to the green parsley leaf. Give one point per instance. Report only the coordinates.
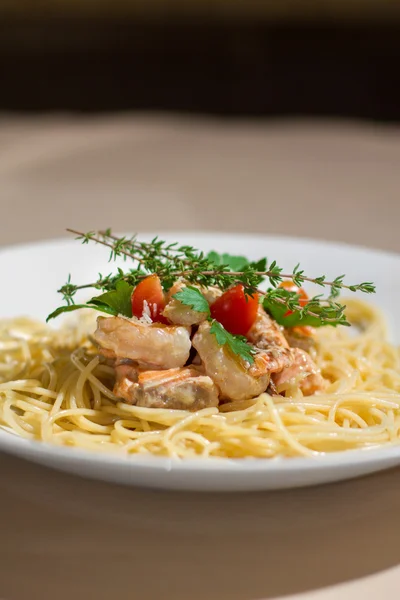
(71, 307)
(119, 299)
(235, 263)
(115, 302)
(237, 344)
(215, 258)
(191, 296)
(259, 265)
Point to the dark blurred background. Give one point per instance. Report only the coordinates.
(276, 57)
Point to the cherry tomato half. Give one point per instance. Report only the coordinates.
(292, 287)
(235, 310)
(303, 299)
(149, 290)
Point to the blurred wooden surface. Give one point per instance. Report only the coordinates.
(66, 538)
(334, 180)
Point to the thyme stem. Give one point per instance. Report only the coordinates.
(172, 262)
(188, 272)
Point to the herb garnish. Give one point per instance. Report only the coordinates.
(115, 302)
(172, 262)
(237, 344)
(192, 297)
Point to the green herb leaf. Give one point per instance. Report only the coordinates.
(278, 311)
(119, 299)
(191, 296)
(235, 263)
(71, 307)
(237, 344)
(259, 265)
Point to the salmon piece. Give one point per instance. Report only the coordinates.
(187, 388)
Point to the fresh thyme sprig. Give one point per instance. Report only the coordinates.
(173, 261)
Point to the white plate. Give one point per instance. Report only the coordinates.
(30, 276)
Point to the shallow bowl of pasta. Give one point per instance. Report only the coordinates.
(58, 401)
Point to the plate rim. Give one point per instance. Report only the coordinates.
(217, 465)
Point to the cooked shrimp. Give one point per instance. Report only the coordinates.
(265, 333)
(151, 345)
(211, 293)
(305, 370)
(236, 379)
(178, 313)
(185, 389)
(300, 337)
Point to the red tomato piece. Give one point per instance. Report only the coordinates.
(149, 291)
(292, 287)
(235, 310)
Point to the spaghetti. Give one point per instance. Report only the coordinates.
(54, 388)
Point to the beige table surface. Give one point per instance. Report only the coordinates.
(62, 537)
